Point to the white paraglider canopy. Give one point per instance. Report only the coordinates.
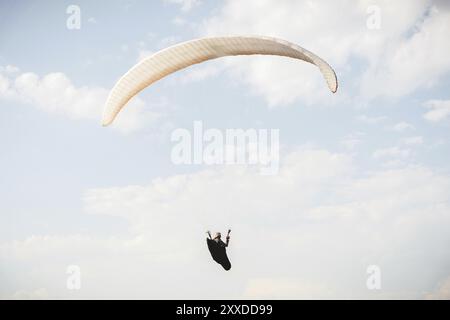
(185, 54)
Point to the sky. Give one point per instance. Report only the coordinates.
(364, 174)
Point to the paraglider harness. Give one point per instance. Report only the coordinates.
(217, 248)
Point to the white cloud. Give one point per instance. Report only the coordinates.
(145, 49)
(45, 245)
(9, 69)
(186, 5)
(285, 288)
(55, 93)
(394, 152)
(442, 292)
(178, 21)
(407, 53)
(416, 60)
(413, 141)
(309, 232)
(306, 167)
(439, 110)
(37, 294)
(402, 126)
(167, 42)
(370, 120)
(352, 140)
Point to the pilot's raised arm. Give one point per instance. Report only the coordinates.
(228, 238)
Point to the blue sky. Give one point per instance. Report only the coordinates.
(364, 176)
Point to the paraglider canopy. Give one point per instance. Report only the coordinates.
(185, 54)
